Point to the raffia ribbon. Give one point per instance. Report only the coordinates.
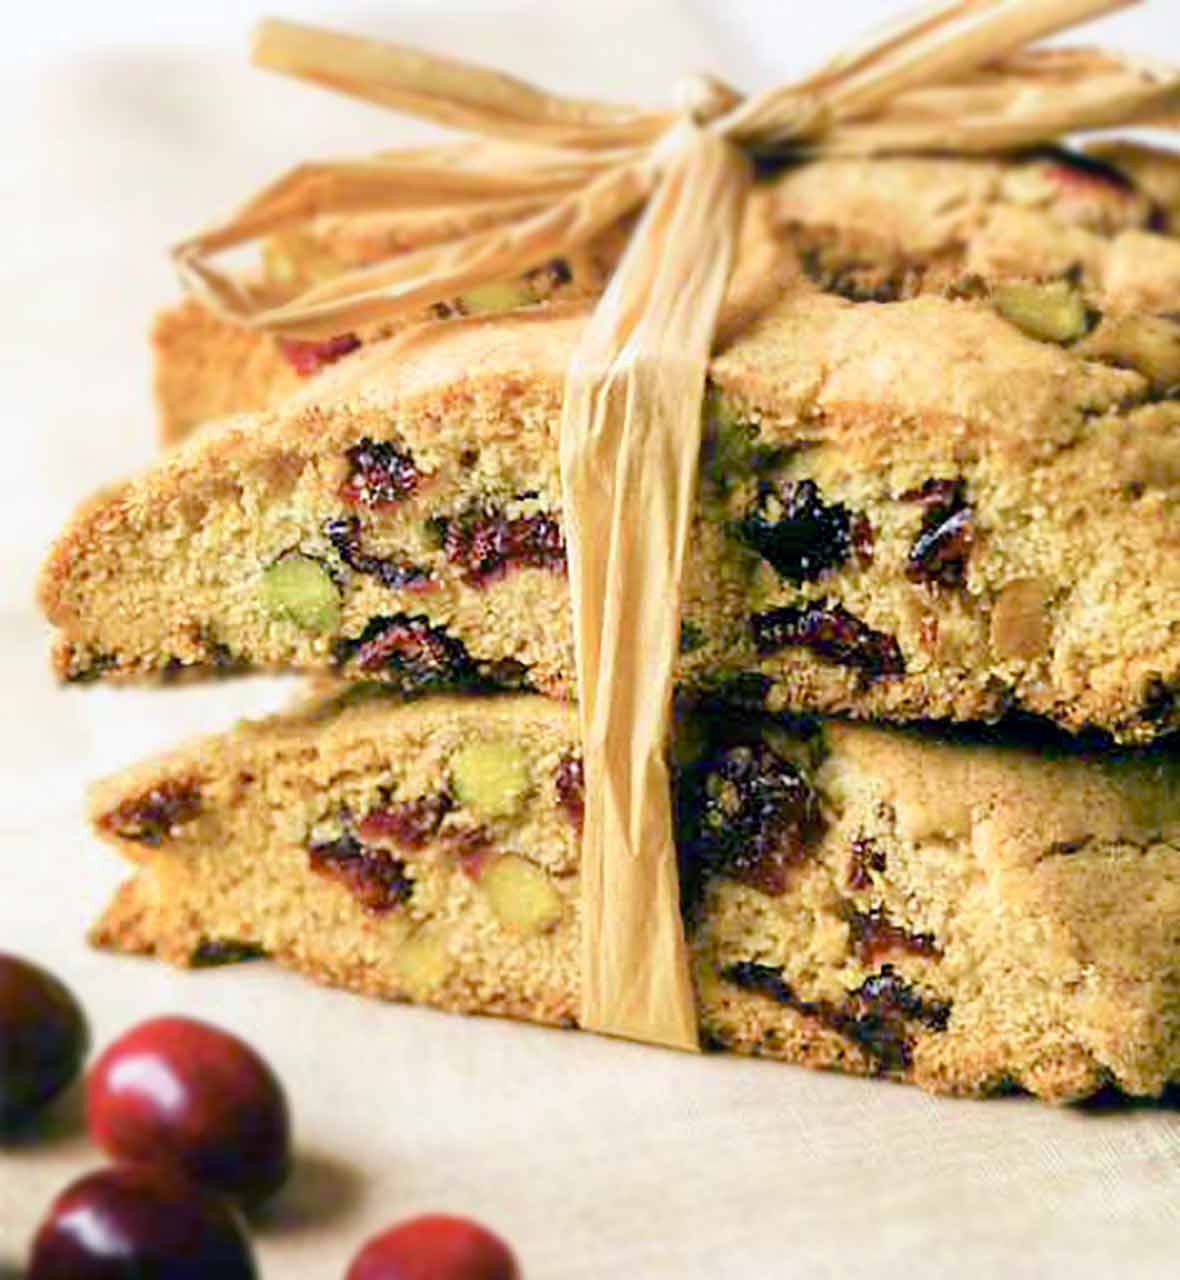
(548, 174)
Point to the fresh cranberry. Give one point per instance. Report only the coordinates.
(42, 1039)
(138, 1222)
(177, 1092)
(435, 1247)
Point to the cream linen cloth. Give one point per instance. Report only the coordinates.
(596, 1159)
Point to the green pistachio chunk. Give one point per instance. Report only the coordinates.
(498, 295)
(490, 778)
(520, 894)
(299, 589)
(1054, 312)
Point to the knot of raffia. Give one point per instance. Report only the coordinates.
(548, 173)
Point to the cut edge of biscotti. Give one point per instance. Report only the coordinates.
(967, 916)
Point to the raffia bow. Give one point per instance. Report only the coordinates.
(550, 174)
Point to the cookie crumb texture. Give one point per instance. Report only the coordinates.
(969, 917)
(908, 510)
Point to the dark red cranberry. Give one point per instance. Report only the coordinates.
(879, 1015)
(799, 534)
(152, 817)
(140, 1222)
(381, 473)
(398, 575)
(940, 551)
(189, 1096)
(866, 857)
(874, 935)
(435, 1246)
(757, 818)
(486, 544)
(1077, 169)
(830, 632)
(42, 1040)
(418, 655)
(372, 875)
(569, 780)
(308, 357)
(410, 823)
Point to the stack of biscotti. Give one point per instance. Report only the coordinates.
(928, 492)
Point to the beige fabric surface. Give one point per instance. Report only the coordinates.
(594, 1157)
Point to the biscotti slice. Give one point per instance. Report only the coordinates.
(866, 225)
(966, 916)
(1066, 247)
(908, 510)
(207, 367)
(920, 208)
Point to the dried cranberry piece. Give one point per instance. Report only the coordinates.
(763, 980)
(877, 1016)
(874, 935)
(422, 656)
(940, 551)
(569, 780)
(486, 544)
(830, 631)
(556, 271)
(154, 816)
(308, 357)
(345, 535)
(381, 474)
(470, 847)
(866, 856)
(410, 823)
(799, 534)
(375, 877)
(756, 817)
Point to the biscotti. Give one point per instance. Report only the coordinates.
(865, 225)
(1155, 172)
(967, 916)
(205, 367)
(908, 510)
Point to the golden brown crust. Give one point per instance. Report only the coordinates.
(207, 368)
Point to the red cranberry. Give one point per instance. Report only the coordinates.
(435, 1247)
(177, 1092)
(310, 356)
(42, 1039)
(137, 1222)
